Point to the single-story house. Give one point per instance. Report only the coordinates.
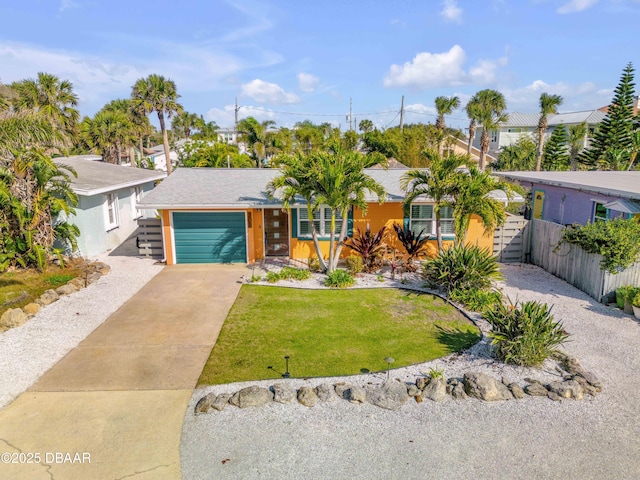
(580, 197)
(519, 124)
(107, 196)
(217, 215)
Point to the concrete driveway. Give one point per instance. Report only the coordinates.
(116, 403)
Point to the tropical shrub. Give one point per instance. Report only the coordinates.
(475, 299)
(635, 301)
(314, 264)
(524, 334)
(288, 273)
(354, 264)
(616, 240)
(462, 267)
(370, 247)
(415, 245)
(339, 279)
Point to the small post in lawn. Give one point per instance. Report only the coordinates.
(286, 373)
(389, 361)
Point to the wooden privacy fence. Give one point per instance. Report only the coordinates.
(149, 239)
(510, 240)
(574, 265)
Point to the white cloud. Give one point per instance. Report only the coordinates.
(576, 97)
(67, 5)
(266, 92)
(307, 82)
(451, 12)
(225, 116)
(422, 109)
(573, 6)
(428, 70)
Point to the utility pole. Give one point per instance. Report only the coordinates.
(235, 125)
(350, 114)
(402, 113)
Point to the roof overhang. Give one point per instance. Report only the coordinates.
(110, 188)
(625, 206)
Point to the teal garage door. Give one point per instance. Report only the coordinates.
(210, 237)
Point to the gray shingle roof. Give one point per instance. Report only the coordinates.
(517, 119)
(95, 177)
(238, 188)
(621, 184)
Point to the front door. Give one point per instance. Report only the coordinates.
(276, 232)
(538, 203)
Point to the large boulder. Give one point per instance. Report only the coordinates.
(283, 393)
(14, 317)
(326, 392)
(356, 394)
(485, 387)
(567, 389)
(436, 390)
(221, 401)
(517, 391)
(307, 396)
(204, 404)
(536, 389)
(252, 396)
(391, 395)
(455, 388)
(341, 389)
(47, 298)
(67, 289)
(31, 309)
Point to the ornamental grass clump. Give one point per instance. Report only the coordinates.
(524, 334)
(339, 279)
(477, 300)
(288, 273)
(463, 267)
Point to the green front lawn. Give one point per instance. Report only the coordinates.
(332, 332)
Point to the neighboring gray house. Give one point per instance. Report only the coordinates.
(519, 124)
(107, 196)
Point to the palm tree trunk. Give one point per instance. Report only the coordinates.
(438, 232)
(316, 242)
(343, 234)
(132, 154)
(165, 141)
(472, 134)
(540, 149)
(141, 147)
(332, 239)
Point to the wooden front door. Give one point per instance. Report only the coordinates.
(276, 232)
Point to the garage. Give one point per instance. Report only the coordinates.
(210, 237)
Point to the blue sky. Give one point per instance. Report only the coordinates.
(289, 60)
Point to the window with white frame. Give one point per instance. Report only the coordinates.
(321, 220)
(136, 196)
(600, 213)
(423, 217)
(111, 211)
(494, 136)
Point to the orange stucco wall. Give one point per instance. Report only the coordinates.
(166, 237)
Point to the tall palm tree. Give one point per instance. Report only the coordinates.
(254, 134)
(140, 125)
(472, 113)
(52, 98)
(490, 111)
(438, 183)
(471, 198)
(548, 105)
(444, 106)
(108, 134)
(341, 184)
(21, 129)
(184, 123)
(158, 94)
(577, 137)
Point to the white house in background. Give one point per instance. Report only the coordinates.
(519, 124)
(107, 196)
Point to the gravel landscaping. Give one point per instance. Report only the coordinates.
(28, 351)
(598, 437)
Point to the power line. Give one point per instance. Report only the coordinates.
(384, 112)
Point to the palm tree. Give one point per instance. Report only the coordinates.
(140, 125)
(438, 183)
(34, 191)
(471, 198)
(158, 94)
(490, 113)
(108, 134)
(52, 98)
(185, 122)
(444, 106)
(341, 184)
(548, 105)
(21, 129)
(472, 113)
(577, 136)
(255, 134)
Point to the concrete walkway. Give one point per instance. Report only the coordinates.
(119, 398)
